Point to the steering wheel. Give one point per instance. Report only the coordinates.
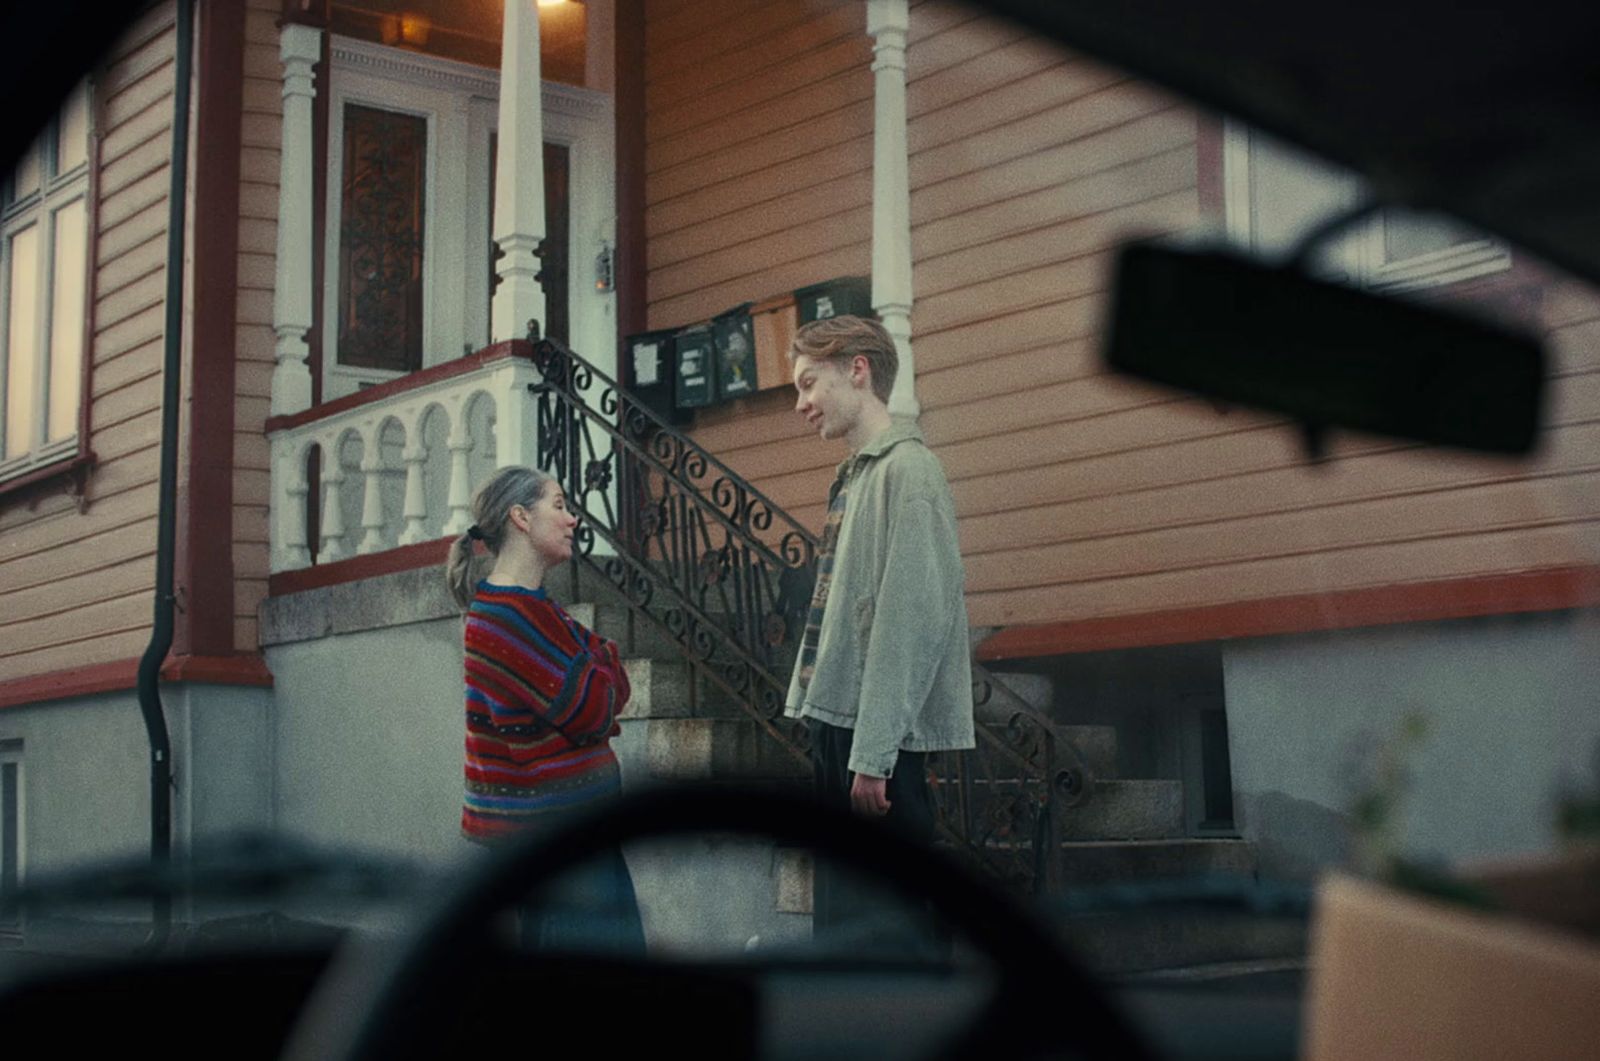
(364, 1007)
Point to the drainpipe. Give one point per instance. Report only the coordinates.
(155, 653)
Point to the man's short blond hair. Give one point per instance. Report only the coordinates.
(842, 338)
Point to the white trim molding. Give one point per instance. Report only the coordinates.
(1363, 255)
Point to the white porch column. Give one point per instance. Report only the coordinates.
(519, 176)
(888, 22)
(299, 48)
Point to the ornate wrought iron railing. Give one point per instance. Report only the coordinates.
(1003, 802)
(707, 557)
(693, 547)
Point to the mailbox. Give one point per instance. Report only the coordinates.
(696, 353)
(649, 371)
(850, 295)
(736, 353)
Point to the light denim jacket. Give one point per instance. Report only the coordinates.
(892, 653)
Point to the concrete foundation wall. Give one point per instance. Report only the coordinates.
(367, 743)
(1511, 709)
(86, 772)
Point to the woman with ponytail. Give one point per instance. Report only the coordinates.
(543, 696)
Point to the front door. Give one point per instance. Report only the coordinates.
(409, 263)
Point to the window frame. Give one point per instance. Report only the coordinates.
(70, 454)
(11, 755)
(1361, 255)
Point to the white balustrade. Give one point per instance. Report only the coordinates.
(474, 446)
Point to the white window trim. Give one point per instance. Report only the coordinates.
(1363, 257)
(459, 101)
(40, 209)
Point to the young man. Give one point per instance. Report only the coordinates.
(883, 676)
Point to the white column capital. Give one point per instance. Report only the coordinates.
(299, 46)
(889, 25)
(889, 16)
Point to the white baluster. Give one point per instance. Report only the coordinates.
(289, 517)
(372, 493)
(460, 487)
(416, 510)
(332, 516)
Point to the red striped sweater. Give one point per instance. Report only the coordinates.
(543, 695)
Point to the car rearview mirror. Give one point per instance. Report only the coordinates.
(1218, 324)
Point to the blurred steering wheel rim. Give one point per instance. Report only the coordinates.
(361, 1007)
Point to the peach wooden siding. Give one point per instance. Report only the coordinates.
(75, 586)
(759, 160)
(1081, 497)
(258, 212)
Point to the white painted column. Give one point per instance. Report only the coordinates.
(888, 22)
(299, 47)
(519, 176)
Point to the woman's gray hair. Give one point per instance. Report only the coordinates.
(491, 511)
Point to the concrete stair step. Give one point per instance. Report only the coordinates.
(662, 689)
(718, 749)
(637, 636)
(1117, 810)
(1086, 863)
(1127, 810)
(1095, 745)
(1139, 941)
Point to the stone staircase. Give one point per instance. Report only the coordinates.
(1129, 830)
(694, 730)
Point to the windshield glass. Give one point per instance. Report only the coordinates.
(1216, 658)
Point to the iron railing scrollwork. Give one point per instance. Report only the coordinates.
(1002, 804)
(705, 556)
(694, 548)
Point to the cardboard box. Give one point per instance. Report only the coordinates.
(1399, 976)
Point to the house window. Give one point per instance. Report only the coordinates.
(10, 827)
(44, 238)
(1277, 194)
(380, 239)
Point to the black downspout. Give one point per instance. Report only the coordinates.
(155, 722)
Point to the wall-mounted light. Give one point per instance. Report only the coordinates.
(408, 28)
(604, 268)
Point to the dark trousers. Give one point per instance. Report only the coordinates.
(590, 910)
(843, 906)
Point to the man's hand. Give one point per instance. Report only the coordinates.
(869, 795)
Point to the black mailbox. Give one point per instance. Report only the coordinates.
(649, 370)
(697, 366)
(736, 353)
(850, 295)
